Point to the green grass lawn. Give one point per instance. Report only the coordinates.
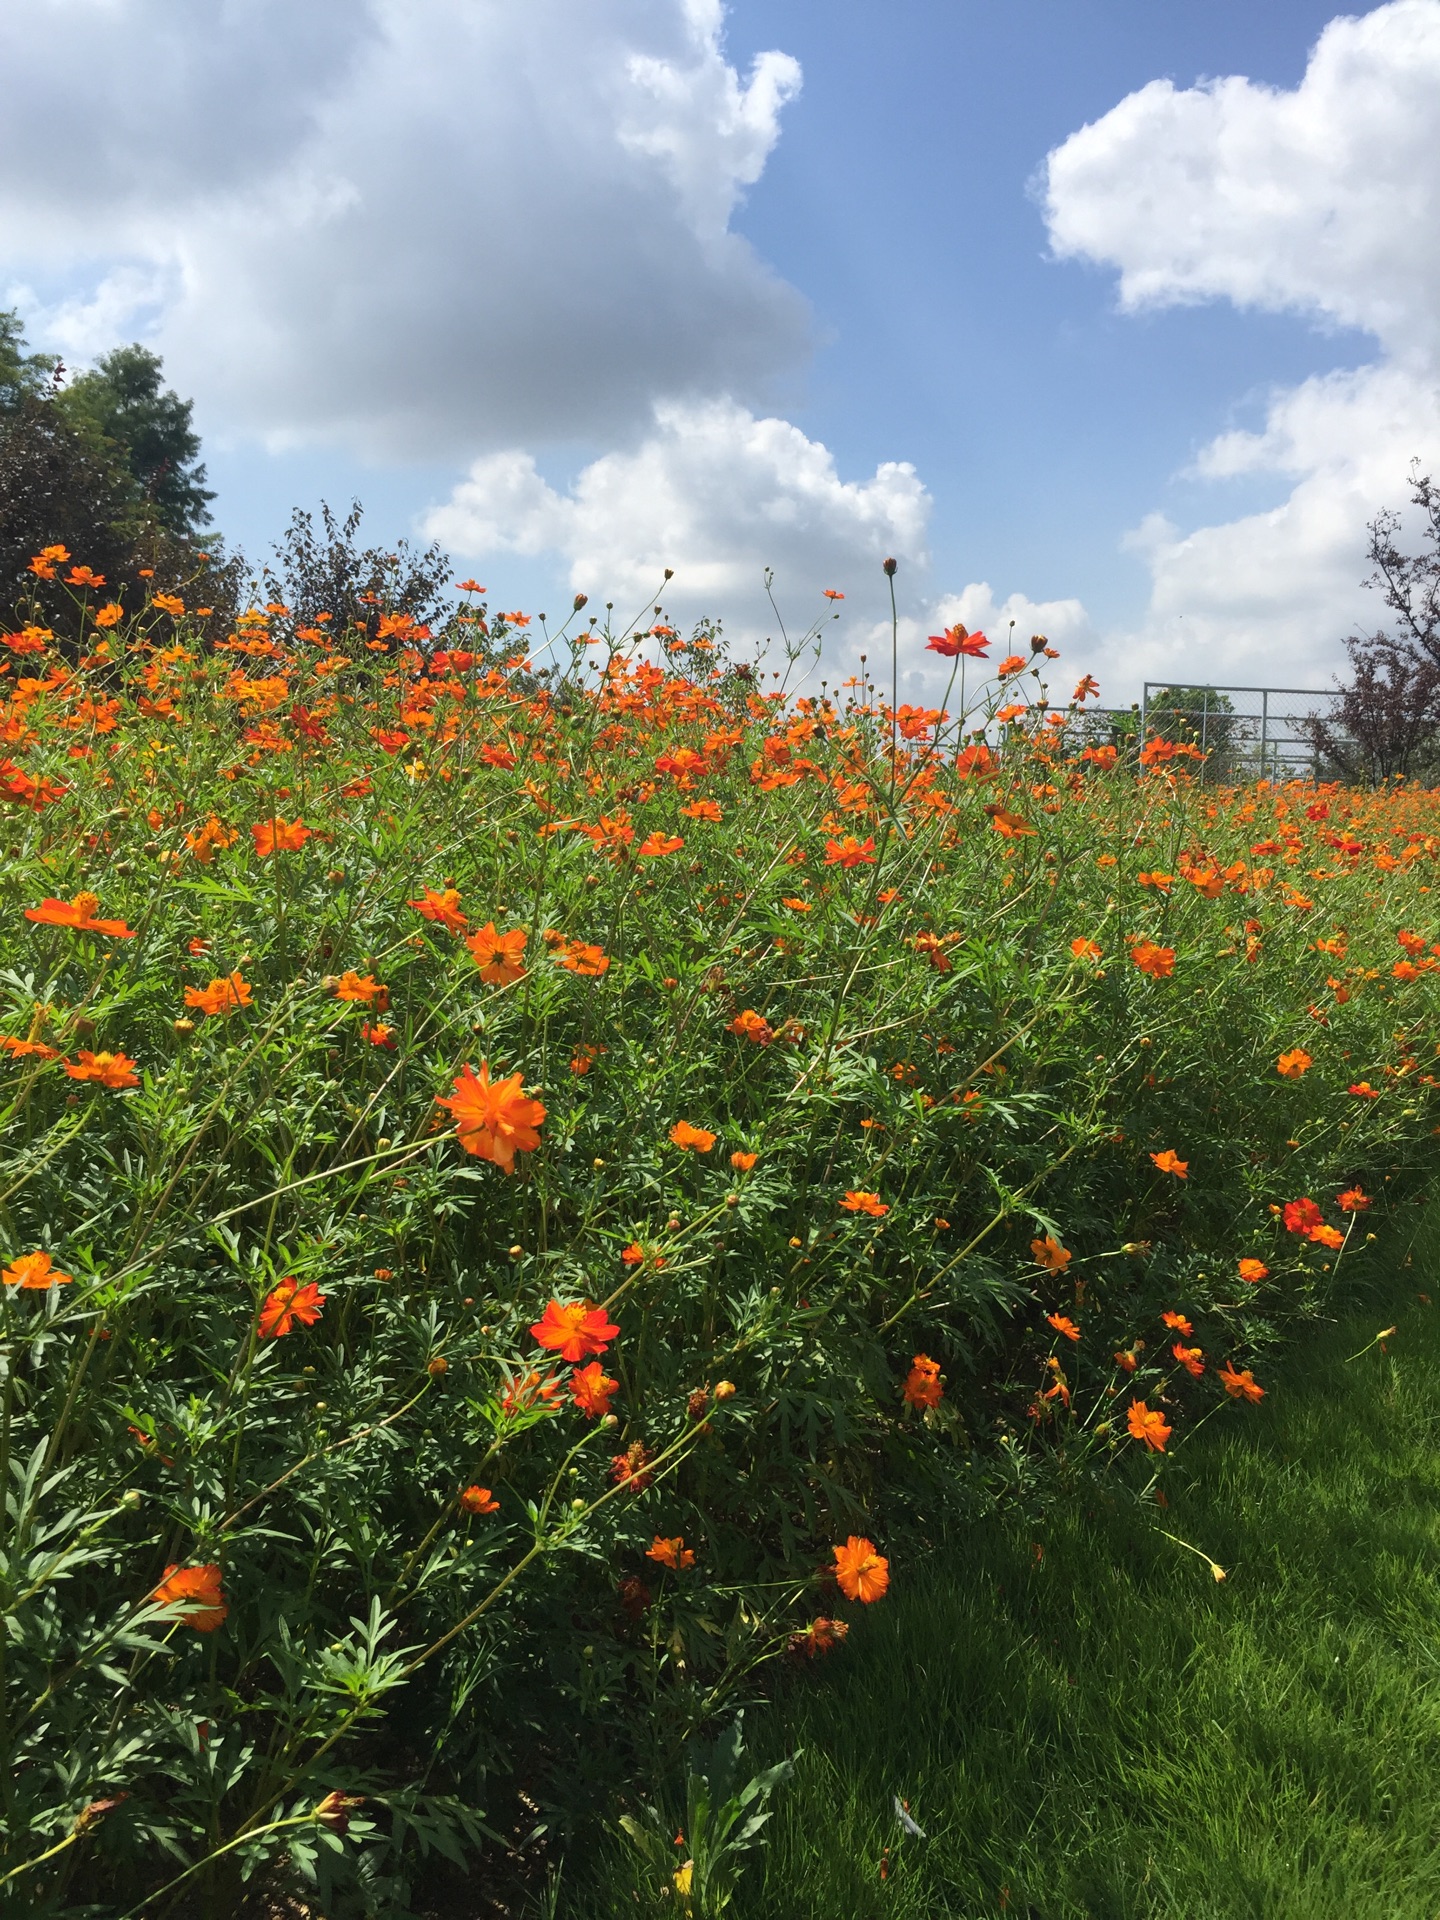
(1108, 1731)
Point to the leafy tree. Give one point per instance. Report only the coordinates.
(23, 376)
(121, 401)
(1386, 721)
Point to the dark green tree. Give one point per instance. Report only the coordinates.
(122, 402)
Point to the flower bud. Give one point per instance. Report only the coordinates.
(890, 569)
(580, 600)
(724, 1389)
(438, 1366)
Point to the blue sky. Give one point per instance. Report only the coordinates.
(584, 289)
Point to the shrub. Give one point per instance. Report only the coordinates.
(528, 1178)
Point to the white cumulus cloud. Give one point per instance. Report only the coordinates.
(419, 226)
(1322, 200)
(712, 492)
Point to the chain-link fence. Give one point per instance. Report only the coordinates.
(1246, 733)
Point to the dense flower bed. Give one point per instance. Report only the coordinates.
(523, 1176)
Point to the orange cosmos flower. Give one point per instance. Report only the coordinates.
(751, 1025)
(364, 989)
(1063, 1324)
(686, 1137)
(656, 845)
(113, 1070)
(1127, 1360)
(1169, 1162)
(1084, 949)
(1326, 1236)
(1049, 1253)
(1301, 1215)
(922, 1383)
(494, 1120)
(279, 836)
(479, 1500)
(442, 907)
(287, 1303)
(1353, 1200)
(574, 1331)
(592, 1389)
(1010, 826)
(379, 1035)
(1178, 1323)
(590, 962)
(632, 1468)
(671, 1553)
(1241, 1385)
(27, 1049)
(225, 996)
(831, 594)
(200, 1584)
(1294, 1063)
(35, 1273)
(703, 810)
(1254, 1271)
(1157, 962)
(499, 956)
(1191, 1358)
(850, 852)
(80, 914)
(863, 1573)
(1363, 1090)
(743, 1162)
(1148, 1424)
(858, 1201)
(821, 1636)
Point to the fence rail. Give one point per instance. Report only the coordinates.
(1250, 732)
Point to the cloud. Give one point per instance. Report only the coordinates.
(713, 492)
(1325, 201)
(417, 226)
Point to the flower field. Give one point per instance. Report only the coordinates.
(533, 1165)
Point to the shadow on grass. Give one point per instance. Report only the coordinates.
(1111, 1733)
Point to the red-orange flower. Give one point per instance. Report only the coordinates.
(35, 1272)
(574, 1331)
(499, 956)
(1169, 1162)
(751, 1025)
(743, 1162)
(364, 989)
(442, 907)
(656, 845)
(582, 957)
(1191, 1358)
(279, 836)
(1353, 1200)
(1294, 1063)
(863, 1573)
(1301, 1215)
(1326, 1236)
(859, 1201)
(689, 1138)
(225, 996)
(479, 1500)
(592, 1389)
(671, 1553)
(285, 1304)
(1178, 1323)
(922, 1383)
(1241, 1385)
(200, 1584)
(529, 1390)
(1049, 1253)
(821, 1636)
(1084, 949)
(1063, 1324)
(850, 852)
(80, 914)
(703, 810)
(954, 641)
(1148, 1424)
(632, 1467)
(1158, 962)
(113, 1070)
(494, 1120)
(1254, 1271)
(1363, 1090)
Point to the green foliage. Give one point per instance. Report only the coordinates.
(848, 1055)
(120, 403)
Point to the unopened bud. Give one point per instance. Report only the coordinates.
(439, 1365)
(669, 573)
(1038, 643)
(580, 600)
(724, 1389)
(890, 568)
